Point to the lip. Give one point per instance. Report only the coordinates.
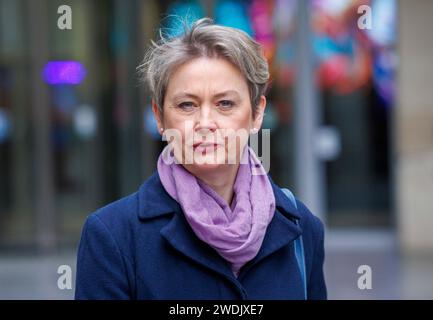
(204, 145)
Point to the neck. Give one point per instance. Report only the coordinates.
(221, 181)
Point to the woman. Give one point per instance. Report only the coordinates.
(209, 223)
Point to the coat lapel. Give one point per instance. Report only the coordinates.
(180, 235)
(280, 232)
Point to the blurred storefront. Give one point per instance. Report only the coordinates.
(69, 146)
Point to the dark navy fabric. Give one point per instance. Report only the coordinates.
(142, 247)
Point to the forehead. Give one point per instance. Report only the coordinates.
(215, 74)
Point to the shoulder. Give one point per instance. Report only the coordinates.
(129, 209)
(130, 216)
(296, 209)
(310, 223)
(116, 214)
(110, 230)
(311, 226)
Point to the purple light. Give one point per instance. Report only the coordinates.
(64, 72)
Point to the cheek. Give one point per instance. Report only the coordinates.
(173, 122)
(240, 120)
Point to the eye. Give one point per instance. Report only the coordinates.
(187, 105)
(226, 104)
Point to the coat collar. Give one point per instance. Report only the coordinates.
(154, 201)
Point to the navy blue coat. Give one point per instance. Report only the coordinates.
(142, 247)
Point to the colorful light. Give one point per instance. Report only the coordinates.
(181, 12)
(233, 14)
(64, 72)
(5, 125)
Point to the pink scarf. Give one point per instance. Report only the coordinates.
(235, 232)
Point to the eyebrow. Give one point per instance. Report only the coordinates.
(218, 95)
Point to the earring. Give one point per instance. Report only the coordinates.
(161, 129)
(254, 130)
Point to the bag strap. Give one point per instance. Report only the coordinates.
(299, 245)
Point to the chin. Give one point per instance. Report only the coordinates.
(205, 168)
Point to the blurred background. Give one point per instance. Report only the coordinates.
(350, 109)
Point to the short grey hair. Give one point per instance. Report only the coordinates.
(205, 39)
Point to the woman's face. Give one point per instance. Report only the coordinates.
(207, 114)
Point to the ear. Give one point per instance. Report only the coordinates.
(260, 111)
(157, 115)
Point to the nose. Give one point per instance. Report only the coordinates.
(205, 121)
